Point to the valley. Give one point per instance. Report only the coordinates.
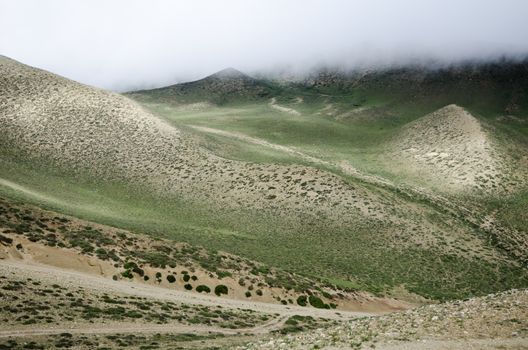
(235, 211)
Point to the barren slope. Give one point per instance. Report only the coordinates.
(495, 321)
(56, 122)
(450, 147)
(155, 178)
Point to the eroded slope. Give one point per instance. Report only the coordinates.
(451, 147)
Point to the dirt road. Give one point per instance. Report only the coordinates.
(75, 279)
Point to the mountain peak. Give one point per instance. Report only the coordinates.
(229, 73)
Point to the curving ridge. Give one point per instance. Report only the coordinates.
(451, 147)
(55, 122)
(67, 124)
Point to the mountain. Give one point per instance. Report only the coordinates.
(227, 85)
(485, 88)
(365, 193)
(317, 192)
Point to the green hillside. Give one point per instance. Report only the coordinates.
(311, 176)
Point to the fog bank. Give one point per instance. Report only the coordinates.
(126, 44)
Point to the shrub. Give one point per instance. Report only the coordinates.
(187, 286)
(203, 288)
(248, 294)
(127, 274)
(259, 292)
(301, 300)
(130, 265)
(222, 274)
(171, 278)
(221, 289)
(6, 240)
(186, 278)
(317, 302)
(327, 295)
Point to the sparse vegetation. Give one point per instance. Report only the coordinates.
(221, 289)
(203, 288)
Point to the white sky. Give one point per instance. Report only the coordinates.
(126, 44)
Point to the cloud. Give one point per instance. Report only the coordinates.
(126, 44)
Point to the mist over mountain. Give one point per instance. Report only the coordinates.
(265, 175)
(131, 45)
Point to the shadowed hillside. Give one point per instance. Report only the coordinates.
(100, 156)
(222, 87)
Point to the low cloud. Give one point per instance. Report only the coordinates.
(125, 44)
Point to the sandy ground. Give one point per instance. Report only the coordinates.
(451, 147)
(88, 281)
(469, 344)
(123, 327)
(273, 104)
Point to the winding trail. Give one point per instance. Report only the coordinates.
(273, 104)
(101, 284)
(348, 169)
(114, 328)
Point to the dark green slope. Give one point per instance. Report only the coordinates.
(228, 85)
(486, 89)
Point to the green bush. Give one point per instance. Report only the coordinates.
(248, 294)
(186, 278)
(222, 274)
(327, 295)
(203, 288)
(127, 274)
(317, 302)
(134, 267)
(221, 289)
(259, 292)
(130, 265)
(187, 286)
(301, 300)
(171, 278)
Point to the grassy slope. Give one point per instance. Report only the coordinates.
(389, 100)
(369, 253)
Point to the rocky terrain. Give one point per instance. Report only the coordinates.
(496, 321)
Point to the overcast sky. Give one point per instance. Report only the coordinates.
(126, 44)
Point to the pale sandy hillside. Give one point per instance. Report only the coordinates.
(496, 321)
(288, 215)
(451, 148)
(56, 122)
